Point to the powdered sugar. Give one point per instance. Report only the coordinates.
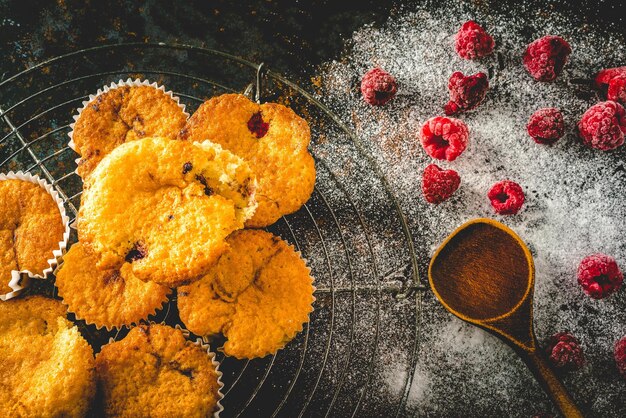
(574, 206)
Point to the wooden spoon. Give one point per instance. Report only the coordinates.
(484, 274)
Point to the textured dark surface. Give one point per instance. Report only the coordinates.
(291, 37)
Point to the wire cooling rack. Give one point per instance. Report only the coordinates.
(352, 231)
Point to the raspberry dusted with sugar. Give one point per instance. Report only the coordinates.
(507, 197)
(599, 275)
(620, 356)
(378, 87)
(438, 185)
(546, 126)
(472, 41)
(545, 58)
(444, 138)
(466, 92)
(603, 125)
(564, 352)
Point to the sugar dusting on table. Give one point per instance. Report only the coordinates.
(575, 199)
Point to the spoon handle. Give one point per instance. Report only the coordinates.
(552, 385)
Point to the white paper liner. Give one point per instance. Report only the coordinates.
(20, 278)
(205, 346)
(129, 82)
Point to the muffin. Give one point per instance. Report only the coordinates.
(272, 138)
(165, 207)
(258, 295)
(154, 371)
(31, 228)
(47, 368)
(107, 298)
(124, 112)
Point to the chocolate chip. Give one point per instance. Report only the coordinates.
(138, 252)
(187, 167)
(170, 217)
(184, 371)
(207, 190)
(112, 277)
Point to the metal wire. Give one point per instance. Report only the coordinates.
(258, 74)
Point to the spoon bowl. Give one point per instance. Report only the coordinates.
(484, 274)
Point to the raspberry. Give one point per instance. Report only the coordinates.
(599, 276)
(546, 126)
(378, 87)
(257, 126)
(603, 126)
(564, 352)
(444, 138)
(613, 82)
(438, 185)
(620, 356)
(507, 197)
(472, 41)
(545, 58)
(605, 76)
(466, 92)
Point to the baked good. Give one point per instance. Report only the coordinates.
(165, 206)
(107, 298)
(121, 114)
(155, 372)
(258, 295)
(272, 138)
(31, 228)
(47, 368)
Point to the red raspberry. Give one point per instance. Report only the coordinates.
(545, 58)
(605, 76)
(438, 185)
(257, 125)
(613, 82)
(507, 197)
(378, 87)
(599, 276)
(603, 126)
(620, 356)
(546, 126)
(444, 138)
(466, 92)
(472, 41)
(564, 352)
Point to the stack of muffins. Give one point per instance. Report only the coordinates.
(168, 202)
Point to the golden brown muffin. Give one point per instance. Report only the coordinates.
(47, 368)
(120, 115)
(154, 372)
(31, 228)
(107, 298)
(258, 296)
(272, 138)
(165, 206)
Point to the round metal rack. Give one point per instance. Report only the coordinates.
(352, 231)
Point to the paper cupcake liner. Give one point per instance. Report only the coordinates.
(205, 346)
(129, 82)
(20, 278)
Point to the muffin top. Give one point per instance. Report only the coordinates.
(272, 138)
(154, 371)
(31, 228)
(47, 368)
(123, 114)
(258, 295)
(165, 206)
(107, 298)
